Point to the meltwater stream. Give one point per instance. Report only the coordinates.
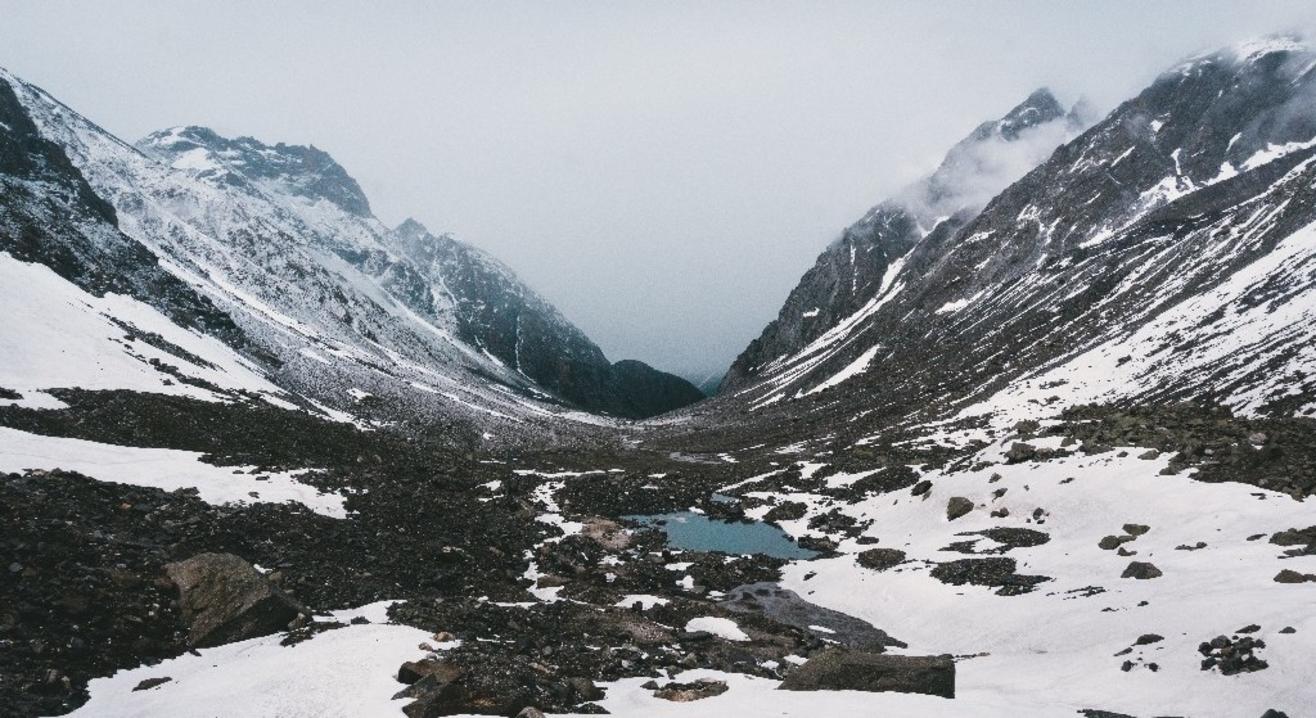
(696, 532)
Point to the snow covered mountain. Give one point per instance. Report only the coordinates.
(278, 245)
(1166, 253)
(850, 271)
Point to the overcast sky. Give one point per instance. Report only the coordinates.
(663, 172)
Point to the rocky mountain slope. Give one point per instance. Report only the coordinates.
(331, 305)
(1164, 254)
(850, 272)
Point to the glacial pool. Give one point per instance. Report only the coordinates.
(696, 532)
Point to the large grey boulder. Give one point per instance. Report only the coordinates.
(845, 670)
(225, 599)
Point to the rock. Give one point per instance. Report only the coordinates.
(1288, 629)
(225, 599)
(686, 692)
(1272, 713)
(921, 488)
(1149, 455)
(530, 712)
(837, 669)
(1295, 537)
(1148, 638)
(1249, 628)
(957, 507)
(1288, 575)
(1020, 452)
(150, 683)
(1257, 437)
(1141, 570)
(1110, 543)
(443, 672)
(585, 688)
(879, 559)
(1136, 530)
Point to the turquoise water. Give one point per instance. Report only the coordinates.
(696, 532)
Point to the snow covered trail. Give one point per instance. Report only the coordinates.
(166, 469)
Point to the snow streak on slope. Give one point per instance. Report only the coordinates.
(56, 335)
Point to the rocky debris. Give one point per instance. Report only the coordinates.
(1193, 547)
(880, 559)
(786, 511)
(995, 571)
(1209, 438)
(692, 691)
(1305, 538)
(611, 535)
(1141, 570)
(1009, 538)
(840, 669)
(225, 599)
(9, 394)
(1097, 713)
(787, 607)
(1288, 575)
(957, 506)
(1230, 656)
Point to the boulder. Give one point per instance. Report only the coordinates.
(225, 599)
(1288, 575)
(957, 507)
(1020, 452)
(1141, 570)
(838, 669)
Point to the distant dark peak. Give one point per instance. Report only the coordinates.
(411, 228)
(301, 170)
(1039, 108)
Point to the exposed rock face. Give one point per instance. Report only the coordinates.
(225, 599)
(497, 313)
(843, 670)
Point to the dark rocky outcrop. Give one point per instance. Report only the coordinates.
(845, 670)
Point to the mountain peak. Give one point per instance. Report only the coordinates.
(301, 170)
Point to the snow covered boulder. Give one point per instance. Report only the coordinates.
(225, 599)
(845, 670)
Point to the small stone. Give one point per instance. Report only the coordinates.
(921, 488)
(1149, 638)
(150, 683)
(1288, 575)
(1288, 629)
(1136, 530)
(1249, 628)
(1110, 543)
(530, 712)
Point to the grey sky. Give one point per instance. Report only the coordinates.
(663, 172)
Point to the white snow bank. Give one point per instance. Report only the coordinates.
(723, 627)
(166, 469)
(347, 672)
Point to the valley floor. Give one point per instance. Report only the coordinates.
(1070, 566)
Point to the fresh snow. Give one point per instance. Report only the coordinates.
(721, 627)
(345, 672)
(166, 469)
